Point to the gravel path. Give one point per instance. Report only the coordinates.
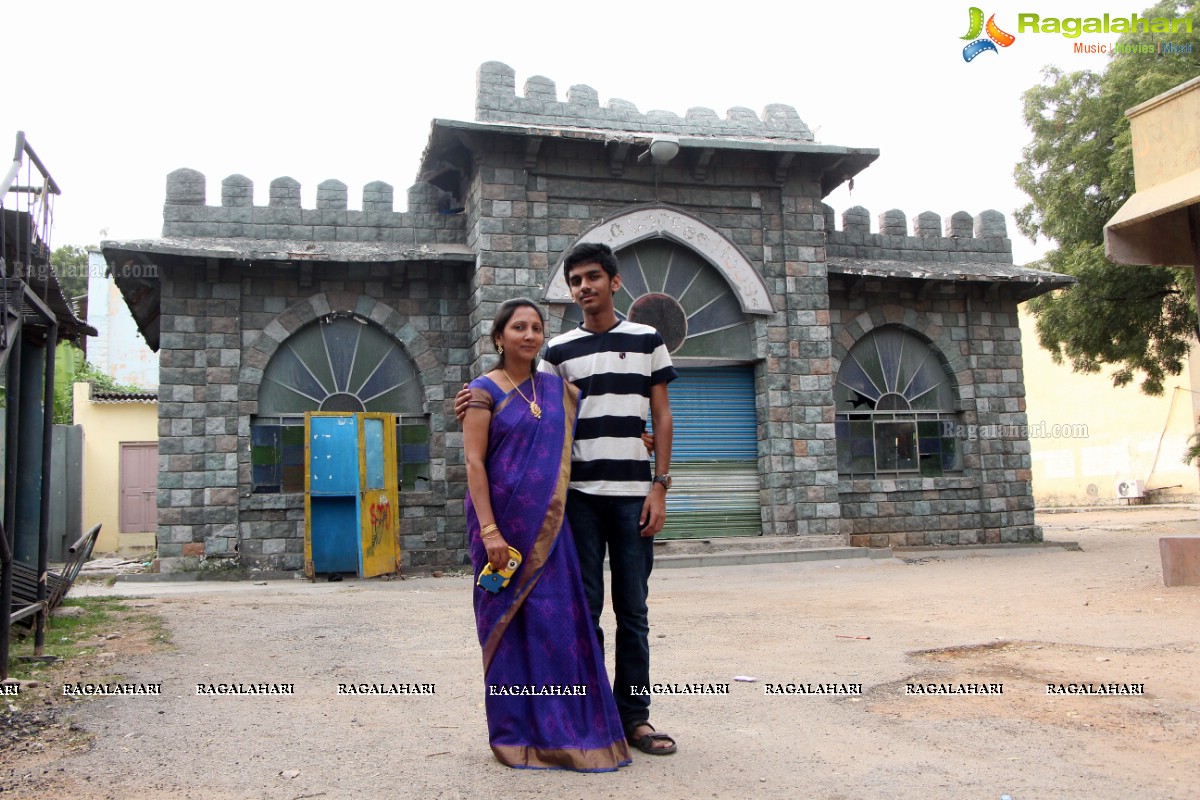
(1023, 618)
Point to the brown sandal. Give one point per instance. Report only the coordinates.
(646, 741)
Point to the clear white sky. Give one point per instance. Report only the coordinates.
(114, 95)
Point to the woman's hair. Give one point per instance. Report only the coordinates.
(505, 313)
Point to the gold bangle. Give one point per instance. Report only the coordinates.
(483, 534)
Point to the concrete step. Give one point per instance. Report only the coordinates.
(742, 550)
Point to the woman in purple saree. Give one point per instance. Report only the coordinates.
(548, 699)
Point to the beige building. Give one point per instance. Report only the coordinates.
(1129, 437)
(1094, 444)
(120, 467)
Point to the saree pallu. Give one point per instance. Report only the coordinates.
(547, 695)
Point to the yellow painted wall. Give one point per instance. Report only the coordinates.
(1085, 435)
(105, 427)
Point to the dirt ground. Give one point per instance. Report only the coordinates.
(1022, 618)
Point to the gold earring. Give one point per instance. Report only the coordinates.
(500, 349)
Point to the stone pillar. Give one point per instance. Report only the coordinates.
(990, 224)
(797, 445)
(331, 196)
(828, 218)
(237, 191)
(378, 198)
(960, 225)
(186, 187)
(856, 219)
(927, 223)
(198, 415)
(893, 223)
(185, 190)
(285, 193)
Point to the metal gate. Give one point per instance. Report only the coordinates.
(714, 458)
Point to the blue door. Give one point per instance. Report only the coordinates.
(333, 497)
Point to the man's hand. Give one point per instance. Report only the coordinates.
(460, 403)
(654, 510)
(648, 441)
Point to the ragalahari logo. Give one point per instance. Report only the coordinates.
(995, 36)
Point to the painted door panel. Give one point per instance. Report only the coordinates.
(335, 537)
(331, 499)
(380, 545)
(138, 479)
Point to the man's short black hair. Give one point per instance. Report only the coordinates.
(591, 253)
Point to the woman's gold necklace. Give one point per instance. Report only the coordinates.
(534, 408)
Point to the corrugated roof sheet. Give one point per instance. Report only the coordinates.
(106, 396)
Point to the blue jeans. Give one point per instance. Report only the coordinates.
(600, 522)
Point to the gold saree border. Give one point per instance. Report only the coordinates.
(599, 759)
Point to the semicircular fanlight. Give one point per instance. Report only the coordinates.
(340, 364)
(674, 289)
(890, 370)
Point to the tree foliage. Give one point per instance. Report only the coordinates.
(71, 266)
(71, 368)
(1078, 171)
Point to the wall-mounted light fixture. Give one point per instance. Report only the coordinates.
(662, 149)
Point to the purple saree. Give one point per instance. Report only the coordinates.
(547, 695)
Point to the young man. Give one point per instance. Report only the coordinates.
(622, 369)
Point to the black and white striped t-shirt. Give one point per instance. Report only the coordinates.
(614, 371)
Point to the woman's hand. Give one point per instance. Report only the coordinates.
(497, 550)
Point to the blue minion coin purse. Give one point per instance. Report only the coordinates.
(492, 581)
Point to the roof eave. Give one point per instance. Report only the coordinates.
(837, 163)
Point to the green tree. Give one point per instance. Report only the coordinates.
(68, 362)
(1077, 171)
(71, 368)
(70, 264)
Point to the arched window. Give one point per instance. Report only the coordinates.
(895, 409)
(675, 290)
(338, 363)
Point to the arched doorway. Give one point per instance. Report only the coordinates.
(714, 460)
(340, 420)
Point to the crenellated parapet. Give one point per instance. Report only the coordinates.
(982, 238)
(187, 213)
(497, 101)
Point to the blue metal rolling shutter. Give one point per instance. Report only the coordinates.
(714, 459)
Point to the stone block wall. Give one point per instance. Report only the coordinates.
(964, 239)
(199, 360)
(186, 213)
(991, 500)
(526, 201)
(524, 219)
(221, 326)
(496, 100)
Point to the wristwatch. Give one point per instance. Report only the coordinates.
(664, 479)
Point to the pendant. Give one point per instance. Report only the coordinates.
(536, 410)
